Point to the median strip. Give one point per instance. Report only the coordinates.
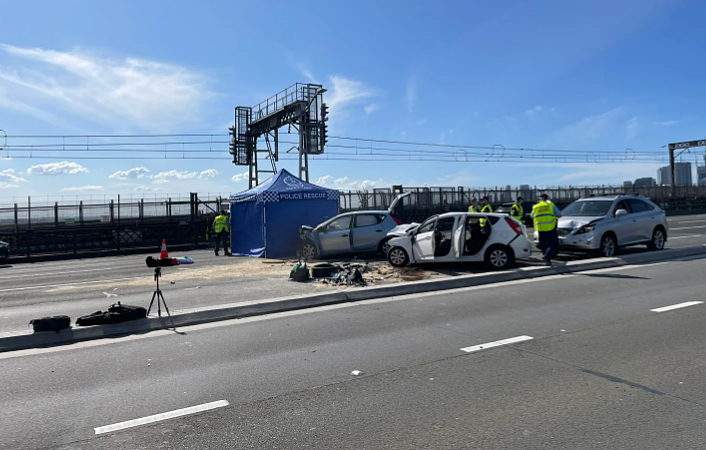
(677, 306)
(488, 345)
(160, 417)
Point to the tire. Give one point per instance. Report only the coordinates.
(398, 257)
(323, 270)
(308, 250)
(4, 254)
(499, 257)
(609, 246)
(659, 237)
(384, 246)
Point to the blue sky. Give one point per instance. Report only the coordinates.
(584, 75)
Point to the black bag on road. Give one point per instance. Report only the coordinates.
(53, 323)
(129, 312)
(117, 313)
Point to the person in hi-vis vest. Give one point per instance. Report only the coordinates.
(222, 229)
(545, 215)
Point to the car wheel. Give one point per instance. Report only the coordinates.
(4, 254)
(308, 250)
(384, 247)
(397, 256)
(609, 246)
(658, 239)
(499, 257)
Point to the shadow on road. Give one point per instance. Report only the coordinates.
(611, 275)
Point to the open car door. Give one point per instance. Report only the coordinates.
(424, 241)
(459, 236)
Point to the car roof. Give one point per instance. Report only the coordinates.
(613, 197)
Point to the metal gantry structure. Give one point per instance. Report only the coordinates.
(683, 146)
(301, 107)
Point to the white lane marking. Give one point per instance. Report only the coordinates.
(42, 286)
(488, 345)
(679, 222)
(686, 237)
(108, 294)
(38, 274)
(160, 417)
(687, 228)
(677, 306)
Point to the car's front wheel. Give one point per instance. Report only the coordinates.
(397, 256)
(384, 247)
(499, 257)
(658, 239)
(609, 246)
(308, 250)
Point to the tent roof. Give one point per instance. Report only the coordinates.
(280, 186)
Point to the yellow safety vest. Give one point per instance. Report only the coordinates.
(544, 217)
(473, 209)
(517, 212)
(221, 224)
(486, 209)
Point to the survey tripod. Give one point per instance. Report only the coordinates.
(158, 295)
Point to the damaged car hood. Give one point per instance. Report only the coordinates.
(404, 229)
(577, 221)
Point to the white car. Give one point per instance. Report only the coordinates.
(460, 237)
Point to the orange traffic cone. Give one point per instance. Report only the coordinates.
(164, 254)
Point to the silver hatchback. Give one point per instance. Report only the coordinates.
(603, 224)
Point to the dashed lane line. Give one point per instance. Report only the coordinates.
(677, 306)
(43, 286)
(488, 345)
(160, 417)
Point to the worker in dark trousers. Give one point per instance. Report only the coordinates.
(220, 226)
(545, 215)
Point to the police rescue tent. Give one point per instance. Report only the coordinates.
(265, 220)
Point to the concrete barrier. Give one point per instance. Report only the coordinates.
(179, 318)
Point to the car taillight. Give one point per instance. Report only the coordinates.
(516, 227)
(397, 221)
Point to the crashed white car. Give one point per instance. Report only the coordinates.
(497, 239)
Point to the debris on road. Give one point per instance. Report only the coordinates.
(355, 373)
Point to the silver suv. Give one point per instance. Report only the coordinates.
(603, 224)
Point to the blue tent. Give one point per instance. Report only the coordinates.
(265, 220)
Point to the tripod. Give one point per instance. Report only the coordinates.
(158, 295)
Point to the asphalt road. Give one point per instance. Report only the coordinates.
(79, 287)
(601, 371)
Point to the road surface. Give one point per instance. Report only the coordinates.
(592, 362)
(80, 287)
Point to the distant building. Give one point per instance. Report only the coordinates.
(644, 182)
(682, 171)
(627, 185)
(701, 175)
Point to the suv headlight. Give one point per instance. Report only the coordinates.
(585, 229)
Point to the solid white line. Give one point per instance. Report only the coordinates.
(159, 417)
(677, 306)
(686, 237)
(41, 274)
(679, 222)
(67, 284)
(476, 348)
(687, 228)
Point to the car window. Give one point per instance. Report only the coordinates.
(368, 220)
(342, 223)
(588, 208)
(445, 224)
(637, 206)
(429, 226)
(622, 205)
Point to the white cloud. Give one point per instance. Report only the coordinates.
(344, 93)
(58, 168)
(592, 174)
(589, 129)
(421, 122)
(208, 173)
(148, 189)
(50, 84)
(632, 127)
(163, 177)
(411, 94)
(370, 184)
(538, 110)
(8, 179)
(240, 177)
(371, 108)
(132, 174)
(324, 181)
(667, 123)
(83, 189)
(160, 181)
